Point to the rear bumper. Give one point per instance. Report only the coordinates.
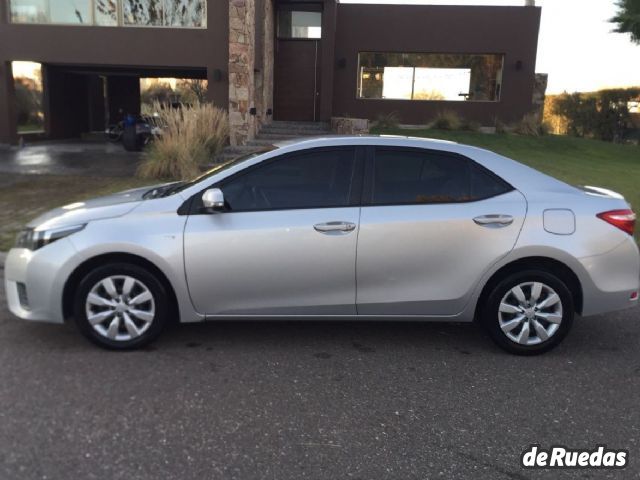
(614, 278)
(34, 281)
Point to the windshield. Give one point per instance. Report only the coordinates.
(176, 187)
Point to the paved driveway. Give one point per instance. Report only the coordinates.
(76, 158)
(311, 400)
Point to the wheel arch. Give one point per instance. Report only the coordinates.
(85, 267)
(551, 265)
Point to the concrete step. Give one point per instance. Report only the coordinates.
(294, 133)
(275, 137)
(294, 128)
(291, 124)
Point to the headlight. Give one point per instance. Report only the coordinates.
(35, 239)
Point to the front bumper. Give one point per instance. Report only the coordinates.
(34, 281)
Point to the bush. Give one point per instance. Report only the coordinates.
(470, 126)
(387, 121)
(603, 115)
(28, 101)
(191, 137)
(529, 125)
(446, 120)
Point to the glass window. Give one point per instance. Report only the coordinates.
(320, 178)
(297, 24)
(185, 13)
(157, 13)
(106, 12)
(430, 76)
(29, 11)
(70, 11)
(414, 177)
(143, 12)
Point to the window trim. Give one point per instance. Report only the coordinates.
(355, 198)
(368, 188)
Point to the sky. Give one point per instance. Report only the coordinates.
(576, 46)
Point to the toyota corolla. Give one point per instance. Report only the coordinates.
(335, 228)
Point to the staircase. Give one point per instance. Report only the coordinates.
(274, 132)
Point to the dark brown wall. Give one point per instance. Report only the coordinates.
(512, 31)
(125, 46)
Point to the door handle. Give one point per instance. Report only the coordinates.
(334, 227)
(494, 220)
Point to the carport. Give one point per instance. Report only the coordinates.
(80, 99)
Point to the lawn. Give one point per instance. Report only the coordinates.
(24, 197)
(576, 161)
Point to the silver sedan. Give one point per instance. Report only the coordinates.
(335, 228)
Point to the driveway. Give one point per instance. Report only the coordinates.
(70, 158)
(312, 400)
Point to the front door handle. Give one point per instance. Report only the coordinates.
(334, 227)
(494, 220)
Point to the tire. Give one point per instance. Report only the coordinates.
(125, 293)
(504, 307)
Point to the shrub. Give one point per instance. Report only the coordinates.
(446, 120)
(529, 125)
(470, 126)
(388, 121)
(191, 137)
(603, 115)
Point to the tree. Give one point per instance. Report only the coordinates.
(627, 19)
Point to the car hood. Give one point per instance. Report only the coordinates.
(99, 208)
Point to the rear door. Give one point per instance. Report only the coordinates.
(432, 223)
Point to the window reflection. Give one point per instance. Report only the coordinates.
(428, 76)
(155, 13)
(297, 24)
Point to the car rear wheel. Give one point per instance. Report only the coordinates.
(529, 312)
(120, 306)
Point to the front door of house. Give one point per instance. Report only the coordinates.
(296, 86)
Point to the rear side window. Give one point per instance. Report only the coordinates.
(312, 179)
(422, 177)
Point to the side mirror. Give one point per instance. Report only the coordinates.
(213, 199)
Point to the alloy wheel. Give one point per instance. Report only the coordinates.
(120, 307)
(530, 313)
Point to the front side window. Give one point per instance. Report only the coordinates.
(423, 177)
(430, 76)
(315, 179)
(299, 24)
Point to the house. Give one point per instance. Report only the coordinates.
(301, 60)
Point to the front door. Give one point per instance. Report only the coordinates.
(296, 80)
(286, 244)
(432, 225)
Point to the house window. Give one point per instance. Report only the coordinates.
(298, 24)
(154, 13)
(430, 76)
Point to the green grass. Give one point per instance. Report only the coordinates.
(24, 197)
(577, 161)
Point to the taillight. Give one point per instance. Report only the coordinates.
(625, 220)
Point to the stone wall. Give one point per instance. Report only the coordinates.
(241, 73)
(263, 97)
(539, 93)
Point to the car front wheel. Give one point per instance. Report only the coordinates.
(529, 313)
(120, 306)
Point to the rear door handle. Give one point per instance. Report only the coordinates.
(494, 220)
(334, 227)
